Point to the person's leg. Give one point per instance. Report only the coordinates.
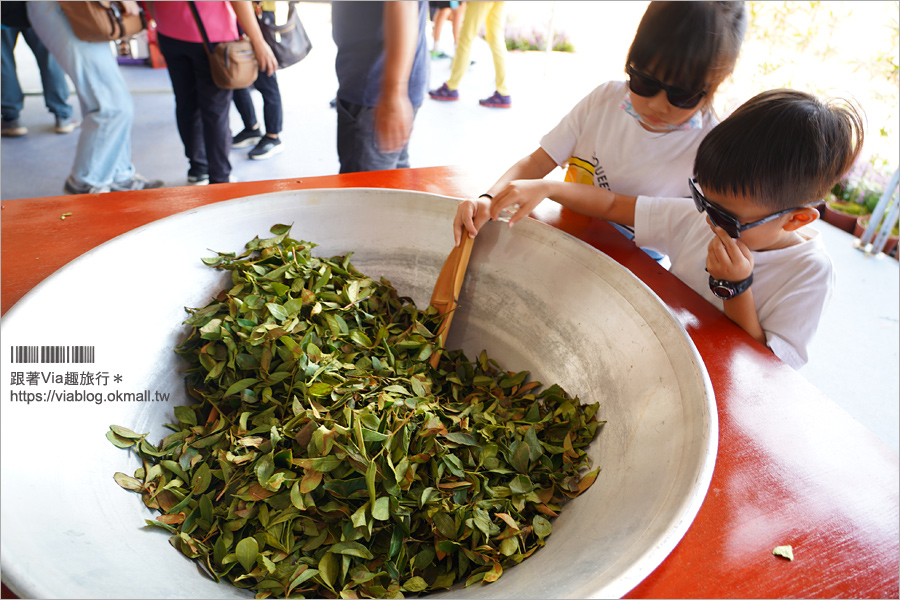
(456, 18)
(12, 98)
(103, 156)
(244, 105)
(440, 17)
(474, 15)
(269, 144)
(214, 106)
(53, 78)
(273, 113)
(250, 134)
(497, 41)
(357, 144)
(179, 64)
(214, 112)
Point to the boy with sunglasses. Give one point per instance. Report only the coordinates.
(640, 136)
(741, 242)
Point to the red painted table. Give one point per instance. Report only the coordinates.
(792, 467)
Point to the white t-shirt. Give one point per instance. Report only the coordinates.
(791, 286)
(605, 146)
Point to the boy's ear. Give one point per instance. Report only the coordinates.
(800, 217)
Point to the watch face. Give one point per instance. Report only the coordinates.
(726, 290)
(723, 291)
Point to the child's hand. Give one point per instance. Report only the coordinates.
(470, 216)
(523, 194)
(728, 258)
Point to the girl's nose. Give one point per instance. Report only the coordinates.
(659, 103)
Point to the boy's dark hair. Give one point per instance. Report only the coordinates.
(782, 148)
(683, 42)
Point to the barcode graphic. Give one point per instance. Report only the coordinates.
(52, 354)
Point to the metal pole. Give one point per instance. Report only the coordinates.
(549, 47)
(886, 226)
(876, 219)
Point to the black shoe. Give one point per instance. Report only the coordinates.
(202, 179)
(246, 138)
(266, 147)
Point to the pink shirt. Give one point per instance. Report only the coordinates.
(174, 20)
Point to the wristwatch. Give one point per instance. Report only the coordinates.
(726, 290)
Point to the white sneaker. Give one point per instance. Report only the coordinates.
(66, 125)
(198, 179)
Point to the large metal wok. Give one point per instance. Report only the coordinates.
(535, 298)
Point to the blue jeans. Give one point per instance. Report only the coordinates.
(103, 155)
(357, 143)
(53, 79)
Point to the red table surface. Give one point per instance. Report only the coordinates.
(792, 467)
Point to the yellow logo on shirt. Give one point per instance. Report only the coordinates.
(582, 171)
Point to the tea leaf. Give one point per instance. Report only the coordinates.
(542, 527)
(351, 549)
(126, 433)
(461, 437)
(328, 569)
(495, 572)
(240, 386)
(246, 551)
(784, 552)
(325, 456)
(119, 441)
(415, 585)
(519, 453)
(201, 479)
(129, 483)
(311, 480)
(381, 509)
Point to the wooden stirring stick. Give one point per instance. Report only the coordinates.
(446, 290)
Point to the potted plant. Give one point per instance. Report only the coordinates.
(854, 196)
(843, 214)
(893, 238)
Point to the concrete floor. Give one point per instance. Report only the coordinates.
(855, 355)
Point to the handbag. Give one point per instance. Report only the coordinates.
(233, 65)
(102, 21)
(289, 42)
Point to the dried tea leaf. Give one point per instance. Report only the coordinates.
(126, 433)
(119, 441)
(784, 552)
(415, 585)
(325, 456)
(351, 549)
(127, 482)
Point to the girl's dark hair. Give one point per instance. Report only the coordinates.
(693, 45)
(782, 149)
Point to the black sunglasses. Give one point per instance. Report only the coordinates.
(725, 220)
(646, 86)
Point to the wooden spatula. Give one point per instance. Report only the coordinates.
(446, 290)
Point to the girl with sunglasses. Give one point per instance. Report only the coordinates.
(637, 136)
